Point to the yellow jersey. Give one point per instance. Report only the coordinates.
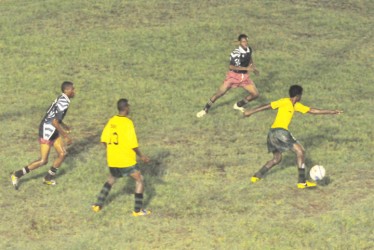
(120, 138)
(286, 111)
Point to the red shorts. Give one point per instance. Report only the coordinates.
(45, 141)
(234, 80)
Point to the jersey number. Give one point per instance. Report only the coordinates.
(114, 138)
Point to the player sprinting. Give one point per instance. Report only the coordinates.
(121, 144)
(280, 139)
(241, 63)
(51, 132)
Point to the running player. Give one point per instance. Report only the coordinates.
(51, 132)
(121, 144)
(241, 63)
(280, 139)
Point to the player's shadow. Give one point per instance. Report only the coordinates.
(73, 152)
(153, 173)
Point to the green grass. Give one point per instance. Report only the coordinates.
(168, 58)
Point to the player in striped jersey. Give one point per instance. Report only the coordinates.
(51, 131)
(241, 63)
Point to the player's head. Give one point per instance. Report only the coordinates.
(296, 90)
(243, 40)
(123, 105)
(68, 89)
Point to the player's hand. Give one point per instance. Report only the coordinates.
(144, 159)
(338, 112)
(250, 67)
(66, 128)
(68, 140)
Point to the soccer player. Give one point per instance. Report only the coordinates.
(52, 131)
(121, 144)
(241, 63)
(280, 139)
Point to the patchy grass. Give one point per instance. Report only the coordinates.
(168, 58)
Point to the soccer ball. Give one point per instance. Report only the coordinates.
(317, 172)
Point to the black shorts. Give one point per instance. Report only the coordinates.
(121, 172)
(280, 140)
(47, 132)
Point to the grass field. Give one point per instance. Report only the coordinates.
(168, 57)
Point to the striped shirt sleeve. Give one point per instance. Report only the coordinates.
(235, 58)
(62, 105)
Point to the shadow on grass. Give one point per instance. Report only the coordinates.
(76, 149)
(153, 173)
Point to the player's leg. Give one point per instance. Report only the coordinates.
(104, 192)
(300, 158)
(139, 190)
(220, 92)
(43, 160)
(277, 158)
(61, 154)
(253, 94)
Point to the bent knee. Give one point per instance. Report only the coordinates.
(139, 178)
(62, 154)
(43, 162)
(276, 161)
(300, 152)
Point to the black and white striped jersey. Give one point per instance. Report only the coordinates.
(241, 58)
(57, 110)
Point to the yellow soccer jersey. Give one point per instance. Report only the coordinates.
(286, 111)
(120, 138)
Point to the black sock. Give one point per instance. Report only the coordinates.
(103, 193)
(22, 172)
(51, 173)
(138, 202)
(242, 103)
(208, 105)
(302, 178)
(261, 172)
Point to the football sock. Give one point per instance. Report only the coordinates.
(51, 173)
(103, 193)
(302, 178)
(138, 202)
(22, 172)
(261, 172)
(242, 103)
(208, 105)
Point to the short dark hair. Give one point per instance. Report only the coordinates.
(295, 90)
(66, 85)
(122, 104)
(241, 36)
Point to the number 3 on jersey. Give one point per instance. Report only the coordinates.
(114, 138)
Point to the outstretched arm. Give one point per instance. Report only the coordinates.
(257, 109)
(315, 111)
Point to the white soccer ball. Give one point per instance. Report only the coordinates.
(317, 172)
